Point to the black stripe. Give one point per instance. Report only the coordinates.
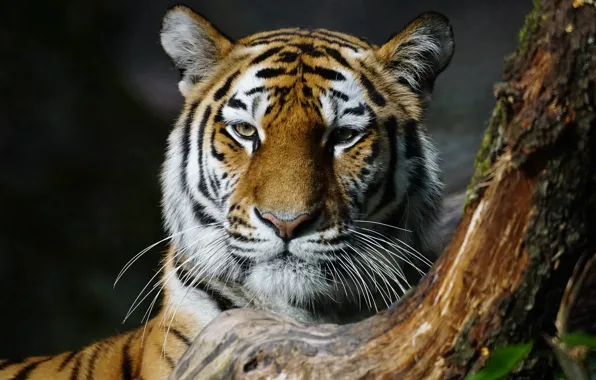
(417, 176)
(215, 182)
(237, 104)
(391, 130)
(340, 38)
(184, 276)
(356, 111)
(186, 144)
(334, 41)
(266, 54)
(222, 91)
(413, 143)
(198, 209)
(243, 238)
(269, 36)
(202, 178)
(92, 360)
(280, 33)
(168, 358)
(244, 262)
(126, 364)
(374, 150)
(218, 156)
(74, 375)
(414, 151)
(273, 40)
(323, 72)
(281, 90)
(374, 95)
(255, 90)
(24, 373)
(304, 47)
(223, 303)
(287, 57)
(270, 72)
(319, 35)
(314, 53)
(218, 118)
(67, 360)
(308, 49)
(335, 54)
(306, 91)
(10, 362)
(200, 214)
(183, 338)
(220, 300)
(339, 94)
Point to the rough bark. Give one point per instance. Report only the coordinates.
(530, 219)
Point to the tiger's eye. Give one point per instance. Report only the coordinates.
(245, 130)
(343, 135)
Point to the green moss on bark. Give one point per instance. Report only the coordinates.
(531, 24)
(489, 148)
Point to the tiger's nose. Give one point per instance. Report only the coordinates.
(286, 227)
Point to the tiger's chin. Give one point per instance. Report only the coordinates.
(305, 286)
(288, 278)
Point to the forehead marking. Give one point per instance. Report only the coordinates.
(341, 104)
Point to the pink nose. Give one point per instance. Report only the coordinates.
(286, 228)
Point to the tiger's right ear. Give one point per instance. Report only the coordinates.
(193, 43)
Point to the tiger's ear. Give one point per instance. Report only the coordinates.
(420, 52)
(193, 43)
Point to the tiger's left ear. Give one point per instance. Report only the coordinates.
(420, 52)
(194, 45)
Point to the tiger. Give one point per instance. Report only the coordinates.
(299, 179)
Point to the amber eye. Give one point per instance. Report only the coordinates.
(245, 130)
(342, 135)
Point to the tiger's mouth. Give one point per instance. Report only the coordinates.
(285, 257)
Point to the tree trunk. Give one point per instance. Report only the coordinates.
(530, 218)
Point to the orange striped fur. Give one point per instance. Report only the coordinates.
(299, 171)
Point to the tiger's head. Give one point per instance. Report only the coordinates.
(299, 167)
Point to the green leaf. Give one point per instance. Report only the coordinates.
(502, 361)
(579, 339)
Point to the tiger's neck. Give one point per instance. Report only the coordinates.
(199, 300)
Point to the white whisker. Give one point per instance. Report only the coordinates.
(381, 267)
(365, 289)
(394, 242)
(374, 241)
(136, 303)
(147, 249)
(382, 224)
(197, 279)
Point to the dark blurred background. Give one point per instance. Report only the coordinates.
(88, 98)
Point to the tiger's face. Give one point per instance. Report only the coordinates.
(295, 150)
